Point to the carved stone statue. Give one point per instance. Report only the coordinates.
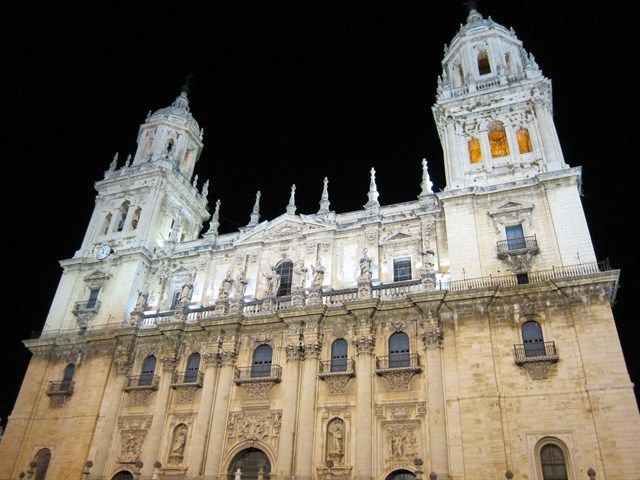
(299, 275)
(185, 295)
(365, 266)
(273, 282)
(205, 189)
(336, 437)
(225, 287)
(179, 441)
(318, 274)
(195, 180)
(241, 285)
(127, 163)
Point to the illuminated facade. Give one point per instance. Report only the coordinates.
(465, 333)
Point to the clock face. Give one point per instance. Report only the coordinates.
(103, 252)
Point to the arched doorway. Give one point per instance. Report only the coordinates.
(123, 475)
(249, 462)
(401, 475)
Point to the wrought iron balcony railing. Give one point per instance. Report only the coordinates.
(88, 306)
(64, 387)
(189, 377)
(143, 381)
(399, 361)
(337, 366)
(535, 352)
(258, 373)
(517, 245)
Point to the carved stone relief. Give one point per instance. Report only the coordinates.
(178, 444)
(401, 442)
(259, 389)
(133, 432)
(254, 425)
(141, 396)
(336, 440)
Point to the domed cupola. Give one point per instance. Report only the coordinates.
(493, 108)
(171, 134)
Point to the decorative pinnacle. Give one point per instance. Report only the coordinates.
(255, 214)
(205, 189)
(114, 163)
(291, 208)
(373, 192)
(426, 185)
(214, 224)
(324, 200)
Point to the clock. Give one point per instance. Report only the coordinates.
(103, 252)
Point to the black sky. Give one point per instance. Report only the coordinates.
(287, 92)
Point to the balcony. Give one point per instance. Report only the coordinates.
(86, 307)
(258, 380)
(188, 378)
(536, 358)
(398, 369)
(141, 382)
(517, 246)
(535, 352)
(337, 373)
(64, 387)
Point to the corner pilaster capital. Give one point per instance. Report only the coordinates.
(432, 336)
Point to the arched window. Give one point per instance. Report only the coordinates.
(553, 463)
(105, 224)
(483, 63)
(148, 370)
(136, 218)
(123, 475)
(284, 269)
(524, 140)
(261, 366)
(169, 147)
(123, 210)
(339, 355)
(398, 350)
(42, 459)
(475, 152)
(251, 463)
(498, 140)
(193, 365)
(532, 339)
(67, 376)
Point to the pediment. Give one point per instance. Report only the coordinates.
(510, 206)
(96, 279)
(399, 237)
(285, 226)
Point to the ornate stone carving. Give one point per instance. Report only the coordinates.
(260, 389)
(294, 351)
(432, 336)
(339, 328)
(421, 408)
(397, 325)
(262, 338)
(140, 396)
(254, 425)
(399, 413)
(538, 370)
(186, 393)
(401, 442)
(520, 262)
(335, 441)
(337, 383)
(398, 379)
(285, 230)
(365, 343)
(133, 431)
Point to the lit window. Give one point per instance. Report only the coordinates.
(401, 270)
(498, 140)
(524, 140)
(475, 152)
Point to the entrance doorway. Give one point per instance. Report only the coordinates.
(251, 463)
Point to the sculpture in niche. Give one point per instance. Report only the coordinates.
(178, 444)
(365, 266)
(241, 285)
(335, 441)
(225, 287)
(318, 274)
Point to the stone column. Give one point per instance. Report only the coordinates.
(151, 446)
(198, 440)
(365, 364)
(438, 453)
(290, 379)
(307, 412)
(108, 416)
(220, 412)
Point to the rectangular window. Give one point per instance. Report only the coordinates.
(93, 297)
(515, 237)
(174, 300)
(401, 270)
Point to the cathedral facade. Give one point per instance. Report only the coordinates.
(465, 334)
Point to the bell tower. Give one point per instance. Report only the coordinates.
(493, 109)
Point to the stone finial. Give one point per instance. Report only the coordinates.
(592, 474)
(214, 224)
(205, 189)
(508, 474)
(426, 185)
(291, 207)
(324, 199)
(373, 194)
(433, 476)
(255, 214)
(114, 163)
(195, 181)
(127, 163)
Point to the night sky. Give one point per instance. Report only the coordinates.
(287, 92)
